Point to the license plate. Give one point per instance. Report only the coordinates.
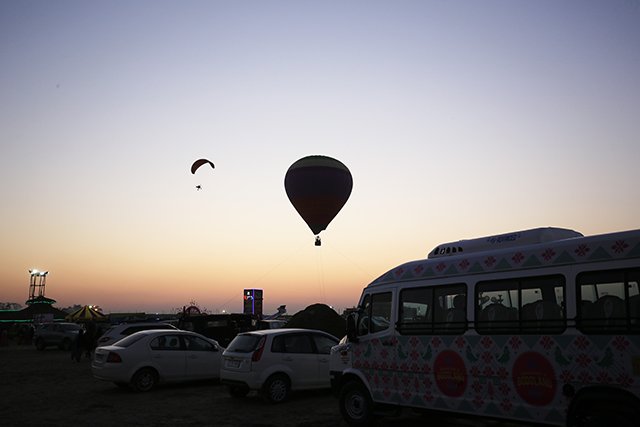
(233, 363)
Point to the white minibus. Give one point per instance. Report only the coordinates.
(539, 326)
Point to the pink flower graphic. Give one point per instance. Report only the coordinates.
(475, 371)
(581, 342)
(419, 269)
(566, 376)
(517, 257)
(582, 250)
(619, 246)
(625, 380)
(478, 401)
(546, 342)
(506, 405)
(503, 388)
(583, 360)
(603, 378)
(503, 373)
(620, 343)
(548, 254)
(486, 342)
(488, 371)
(515, 342)
(464, 264)
(490, 261)
(584, 377)
(441, 267)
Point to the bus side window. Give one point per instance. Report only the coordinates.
(529, 305)
(609, 301)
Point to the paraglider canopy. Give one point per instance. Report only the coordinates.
(318, 187)
(200, 162)
(196, 165)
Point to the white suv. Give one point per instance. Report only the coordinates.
(277, 361)
(116, 333)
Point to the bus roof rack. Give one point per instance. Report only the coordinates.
(517, 238)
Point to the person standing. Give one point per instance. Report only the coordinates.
(78, 346)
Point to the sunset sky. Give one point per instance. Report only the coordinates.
(457, 119)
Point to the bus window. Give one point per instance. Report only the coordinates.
(497, 309)
(609, 300)
(527, 305)
(416, 313)
(433, 310)
(450, 316)
(542, 308)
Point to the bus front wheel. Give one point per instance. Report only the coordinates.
(356, 405)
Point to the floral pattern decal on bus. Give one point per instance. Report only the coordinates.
(557, 253)
(518, 376)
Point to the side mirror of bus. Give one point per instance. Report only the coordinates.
(352, 332)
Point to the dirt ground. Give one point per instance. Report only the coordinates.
(45, 388)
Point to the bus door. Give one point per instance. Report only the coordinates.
(374, 351)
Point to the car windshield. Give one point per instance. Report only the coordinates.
(244, 343)
(131, 339)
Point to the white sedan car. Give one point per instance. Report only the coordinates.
(146, 358)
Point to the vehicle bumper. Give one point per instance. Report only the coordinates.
(243, 379)
(106, 372)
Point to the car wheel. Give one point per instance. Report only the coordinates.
(238, 391)
(356, 405)
(276, 389)
(40, 345)
(144, 380)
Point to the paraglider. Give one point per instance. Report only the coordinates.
(318, 187)
(196, 165)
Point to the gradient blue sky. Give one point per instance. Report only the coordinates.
(457, 119)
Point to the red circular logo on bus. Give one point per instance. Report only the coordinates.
(450, 373)
(534, 379)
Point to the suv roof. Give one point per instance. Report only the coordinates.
(117, 332)
(282, 331)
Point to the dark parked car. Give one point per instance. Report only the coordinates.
(62, 335)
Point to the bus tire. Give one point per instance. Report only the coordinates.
(355, 403)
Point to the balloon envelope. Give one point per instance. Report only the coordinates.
(198, 163)
(318, 187)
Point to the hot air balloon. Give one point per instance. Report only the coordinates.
(196, 165)
(318, 187)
